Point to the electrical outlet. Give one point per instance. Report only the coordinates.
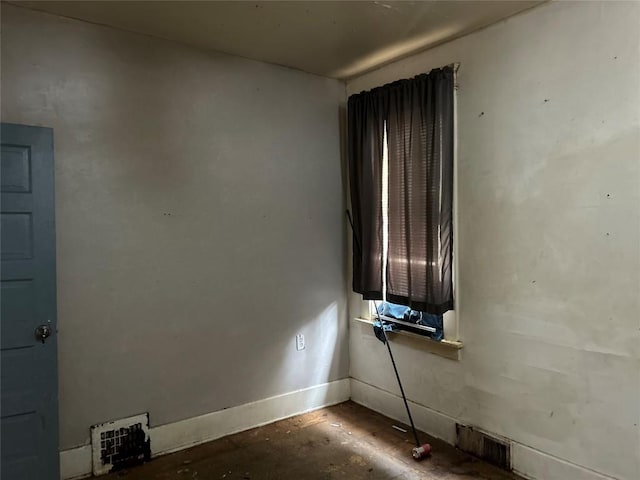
(300, 342)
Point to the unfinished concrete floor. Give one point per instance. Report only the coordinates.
(346, 441)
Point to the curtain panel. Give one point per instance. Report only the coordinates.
(420, 143)
(366, 119)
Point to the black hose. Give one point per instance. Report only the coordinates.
(395, 369)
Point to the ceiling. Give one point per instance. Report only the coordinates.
(340, 39)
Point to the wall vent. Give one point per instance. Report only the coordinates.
(120, 444)
(488, 448)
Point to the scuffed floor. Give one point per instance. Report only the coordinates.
(346, 441)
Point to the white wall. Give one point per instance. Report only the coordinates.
(199, 214)
(549, 241)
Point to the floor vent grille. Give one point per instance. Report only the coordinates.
(486, 447)
(120, 444)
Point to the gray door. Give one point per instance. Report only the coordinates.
(29, 408)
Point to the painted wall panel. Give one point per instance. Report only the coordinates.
(199, 213)
(549, 236)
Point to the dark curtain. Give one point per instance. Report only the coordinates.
(420, 143)
(366, 113)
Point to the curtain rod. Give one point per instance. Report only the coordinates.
(454, 66)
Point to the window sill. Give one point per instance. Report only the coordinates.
(446, 348)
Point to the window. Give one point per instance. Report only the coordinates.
(401, 179)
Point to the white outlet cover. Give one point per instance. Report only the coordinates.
(300, 342)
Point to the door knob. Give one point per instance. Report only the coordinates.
(42, 332)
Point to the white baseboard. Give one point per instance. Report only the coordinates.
(536, 465)
(76, 462)
(525, 461)
(434, 423)
(193, 431)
